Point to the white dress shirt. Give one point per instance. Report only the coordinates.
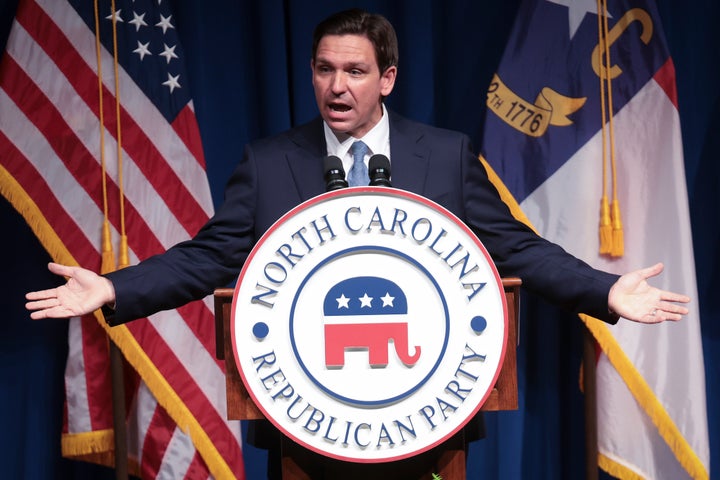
(377, 140)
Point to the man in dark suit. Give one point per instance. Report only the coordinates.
(354, 65)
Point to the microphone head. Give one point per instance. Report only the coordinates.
(334, 173)
(379, 171)
(332, 162)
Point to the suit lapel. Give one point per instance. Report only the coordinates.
(408, 156)
(305, 160)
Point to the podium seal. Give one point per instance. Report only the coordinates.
(369, 324)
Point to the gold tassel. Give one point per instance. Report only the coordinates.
(108, 257)
(605, 227)
(618, 239)
(124, 260)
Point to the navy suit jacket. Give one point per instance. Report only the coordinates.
(278, 173)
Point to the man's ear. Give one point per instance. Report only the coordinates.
(387, 80)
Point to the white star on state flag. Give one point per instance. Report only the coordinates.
(577, 9)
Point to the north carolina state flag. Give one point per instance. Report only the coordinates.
(544, 137)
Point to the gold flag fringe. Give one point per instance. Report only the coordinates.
(168, 398)
(616, 469)
(94, 447)
(647, 400)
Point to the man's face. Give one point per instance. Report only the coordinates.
(348, 83)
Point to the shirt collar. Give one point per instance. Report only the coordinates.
(377, 140)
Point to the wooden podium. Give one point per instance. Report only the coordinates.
(446, 460)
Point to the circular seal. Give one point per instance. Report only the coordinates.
(369, 324)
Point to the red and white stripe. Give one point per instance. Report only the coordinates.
(49, 139)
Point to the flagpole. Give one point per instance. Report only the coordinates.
(118, 406)
(590, 389)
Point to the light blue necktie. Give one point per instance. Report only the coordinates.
(358, 175)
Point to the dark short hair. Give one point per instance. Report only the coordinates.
(359, 22)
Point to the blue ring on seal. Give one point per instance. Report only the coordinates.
(402, 395)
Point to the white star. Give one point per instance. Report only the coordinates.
(365, 301)
(168, 52)
(577, 9)
(115, 16)
(342, 301)
(164, 23)
(387, 300)
(142, 50)
(172, 82)
(138, 21)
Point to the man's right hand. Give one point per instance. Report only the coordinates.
(84, 292)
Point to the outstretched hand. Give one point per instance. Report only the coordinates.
(84, 292)
(633, 298)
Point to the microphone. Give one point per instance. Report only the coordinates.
(334, 173)
(379, 171)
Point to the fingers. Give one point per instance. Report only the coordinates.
(45, 304)
(38, 315)
(59, 269)
(663, 315)
(652, 317)
(665, 311)
(672, 308)
(41, 294)
(652, 271)
(41, 304)
(49, 308)
(674, 297)
(54, 312)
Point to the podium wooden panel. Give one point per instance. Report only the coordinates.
(299, 463)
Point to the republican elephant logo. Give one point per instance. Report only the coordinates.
(367, 313)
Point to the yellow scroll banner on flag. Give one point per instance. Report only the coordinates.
(531, 118)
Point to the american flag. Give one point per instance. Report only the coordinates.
(51, 171)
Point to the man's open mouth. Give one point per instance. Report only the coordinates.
(339, 107)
